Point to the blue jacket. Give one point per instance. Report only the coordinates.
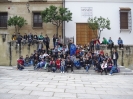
(110, 41)
(120, 42)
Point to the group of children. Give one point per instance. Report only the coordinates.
(59, 58)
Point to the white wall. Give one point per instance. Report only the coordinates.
(106, 10)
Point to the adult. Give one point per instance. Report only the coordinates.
(30, 38)
(25, 38)
(35, 38)
(69, 45)
(115, 57)
(72, 49)
(39, 46)
(47, 42)
(92, 45)
(60, 41)
(120, 43)
(54, 40)
(19, 38)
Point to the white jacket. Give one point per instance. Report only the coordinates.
(104, 65)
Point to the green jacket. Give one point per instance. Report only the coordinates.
(105, 41)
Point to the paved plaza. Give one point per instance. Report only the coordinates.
(16, 84)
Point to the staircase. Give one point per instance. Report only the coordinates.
(123, 71)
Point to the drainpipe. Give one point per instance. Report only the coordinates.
(63, 29)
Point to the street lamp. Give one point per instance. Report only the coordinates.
(122, 57)
(27, 4)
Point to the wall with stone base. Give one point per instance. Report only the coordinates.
(127, 55)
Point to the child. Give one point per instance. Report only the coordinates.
(62, 67)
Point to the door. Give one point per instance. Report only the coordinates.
(84, 34)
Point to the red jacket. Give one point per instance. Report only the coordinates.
(77, 51)
(58, 63)
(20, 61)
(97, 41)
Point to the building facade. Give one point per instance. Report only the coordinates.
(119, 12)
(30, 10)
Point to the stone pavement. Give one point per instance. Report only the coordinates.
(15, 84)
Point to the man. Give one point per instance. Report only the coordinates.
(92, 45)
(72, 49)
(39, 46)
(35, 38)
(19, 38)
(120, 43)
(115, 57)
(69, 45)
(47, 41)
(30, 38)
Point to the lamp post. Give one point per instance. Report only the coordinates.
(122, 58)
(27, 4)
(10, 54)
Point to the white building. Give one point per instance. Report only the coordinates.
(106, 8)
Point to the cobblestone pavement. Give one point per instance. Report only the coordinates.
(16, 84)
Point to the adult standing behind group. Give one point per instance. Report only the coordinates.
(115, 57)
(120, 43)
(46, 42)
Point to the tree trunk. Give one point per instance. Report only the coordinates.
(57, 29)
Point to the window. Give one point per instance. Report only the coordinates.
(3, 19)
(3, 0)
(125, 19)
(37, 19)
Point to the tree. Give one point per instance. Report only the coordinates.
(56, 16)
(18, 22)
(98, 24)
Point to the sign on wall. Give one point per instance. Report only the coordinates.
(87, 12)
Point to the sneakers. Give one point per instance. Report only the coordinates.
(110, 74)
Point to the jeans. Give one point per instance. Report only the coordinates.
(53, 69)
(45, 65)
(113, 70)
(62, 68)
(120, 45)
(87, 67)
(54, 44)
(39, 65)
(27, 64)
(115, 62)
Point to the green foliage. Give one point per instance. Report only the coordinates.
(99, 24)
(17, 21)
(56, 15)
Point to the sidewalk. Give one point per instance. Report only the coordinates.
(15, 84)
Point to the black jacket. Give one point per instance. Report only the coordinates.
(116, 55)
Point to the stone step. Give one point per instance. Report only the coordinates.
(125, 70)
